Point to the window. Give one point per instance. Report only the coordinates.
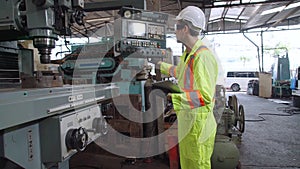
(230, 74)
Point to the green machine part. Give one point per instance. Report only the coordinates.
(226, 154)
(281, 77)
(282, 69)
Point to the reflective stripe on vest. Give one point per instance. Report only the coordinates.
(172, 71)
(194, 97)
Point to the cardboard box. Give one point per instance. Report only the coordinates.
(265, 85)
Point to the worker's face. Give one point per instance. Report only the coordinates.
(180, 28)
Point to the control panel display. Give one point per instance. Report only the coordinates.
(136, 30)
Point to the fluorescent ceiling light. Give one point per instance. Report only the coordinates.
(235, 20)
(97, 19)
(281, 8)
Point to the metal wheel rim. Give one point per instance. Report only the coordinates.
(241, 119)
(233, 105)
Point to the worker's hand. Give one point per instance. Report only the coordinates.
(169, 97)
(169, 109)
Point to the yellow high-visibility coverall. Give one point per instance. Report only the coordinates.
(197, 76)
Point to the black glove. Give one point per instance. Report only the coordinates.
(169, 108)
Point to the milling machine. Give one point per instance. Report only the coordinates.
(43, 128)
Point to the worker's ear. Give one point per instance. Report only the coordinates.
(186, 29)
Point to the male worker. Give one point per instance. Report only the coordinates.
(197, 75)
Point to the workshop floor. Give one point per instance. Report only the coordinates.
(271, 141)
(272, 137)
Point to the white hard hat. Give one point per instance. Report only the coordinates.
(193, 14)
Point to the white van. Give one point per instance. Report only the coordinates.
(238, 80)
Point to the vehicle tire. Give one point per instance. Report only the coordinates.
(235, 87)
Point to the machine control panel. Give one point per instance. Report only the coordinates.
(141, 33)
(144, 48)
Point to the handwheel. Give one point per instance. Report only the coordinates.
(76, 139)
(241, 119)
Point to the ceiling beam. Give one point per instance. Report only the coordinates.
(276, 13)
(169, 4)
(113, 5)
(241, 13)
(179, 2)
(287, 15)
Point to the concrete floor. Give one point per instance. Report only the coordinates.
(272, 143)
(96, 161)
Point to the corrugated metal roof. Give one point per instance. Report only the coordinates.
(221, 15)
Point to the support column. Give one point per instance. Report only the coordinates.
(262, 51)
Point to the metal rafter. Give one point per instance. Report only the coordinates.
(179, 2)
(240, 13)
(170, 3)
(112, 5)
(276, 13)
(225, 11)
(287, 15)
(243, 4)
